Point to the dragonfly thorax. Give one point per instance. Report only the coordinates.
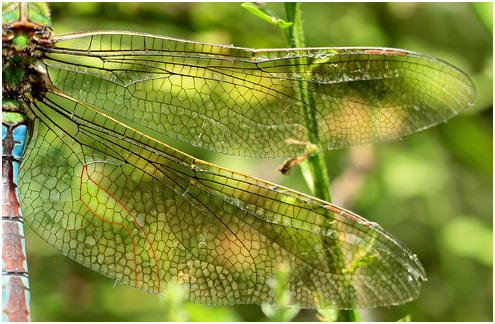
(22, 81)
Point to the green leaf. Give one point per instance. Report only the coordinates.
(361, 262)
(406, 318)
(484, 10)
(266, 14)
(174, 296)
(283, 309)
(328, 315)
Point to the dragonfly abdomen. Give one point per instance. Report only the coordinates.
(14, 273)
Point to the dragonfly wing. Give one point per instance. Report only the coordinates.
(145, 214)
(245, 102)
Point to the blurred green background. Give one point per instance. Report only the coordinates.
(432, 190)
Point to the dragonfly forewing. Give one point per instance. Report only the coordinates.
(244, 102)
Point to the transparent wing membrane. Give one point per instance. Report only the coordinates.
(145, 214)
(244, 102)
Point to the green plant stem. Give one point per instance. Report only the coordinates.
(316, 162)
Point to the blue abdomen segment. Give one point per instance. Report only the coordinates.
(19, 133)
